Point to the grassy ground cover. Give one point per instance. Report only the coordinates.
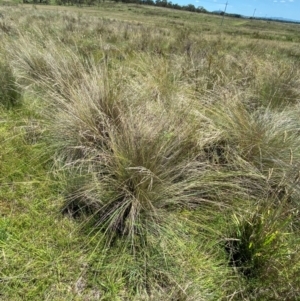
(147, 154)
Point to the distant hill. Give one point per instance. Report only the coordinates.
(279, 19)
(218, 12)
(283, 19)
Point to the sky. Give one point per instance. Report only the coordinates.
(260, 8)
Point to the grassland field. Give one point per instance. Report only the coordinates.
(147, 154)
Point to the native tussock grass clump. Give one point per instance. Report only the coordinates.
(173, 158)
(93, 129)
(129, 163)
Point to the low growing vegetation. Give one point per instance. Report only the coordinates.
(146, 162)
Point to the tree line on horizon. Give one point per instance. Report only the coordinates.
(168, 4)
(159, 3)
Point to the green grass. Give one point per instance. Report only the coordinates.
(146, 162)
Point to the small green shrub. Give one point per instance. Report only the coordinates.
(260, 249)
(255, 241)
